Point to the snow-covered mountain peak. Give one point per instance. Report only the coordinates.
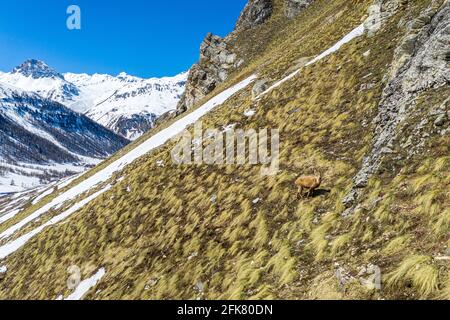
(126, 104)
(128, 78)
(37, 77)
(129, 105)
(6, 90)
(36, 69)
(181, 77)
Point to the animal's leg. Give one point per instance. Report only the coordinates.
(300, 192)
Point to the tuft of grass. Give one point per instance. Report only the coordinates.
(419, 270)
(398, 244)
(442, 225)
(445, 292)
(339, 243)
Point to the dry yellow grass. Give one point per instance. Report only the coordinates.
(166, 235)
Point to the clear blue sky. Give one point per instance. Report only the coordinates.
(141, 37)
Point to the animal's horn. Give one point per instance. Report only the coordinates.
(318, 173)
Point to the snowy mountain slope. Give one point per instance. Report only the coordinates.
(225, 232)
(41, 140)
(36, 76)
(125, 104)
(104, 175)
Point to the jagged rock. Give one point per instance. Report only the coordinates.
(410, 43)
(294, 7)
(441, 120)
(425, 69)
(259, 87)
(255, 13)
(217, 61)
(215, 65)
(351, 198)
(379, 12)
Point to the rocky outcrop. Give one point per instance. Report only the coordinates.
(216, 57)
(217, 60)
(256, 12)
(294, 7)
(420, 64)
(216, 63)
(379, 12)
(259, 87)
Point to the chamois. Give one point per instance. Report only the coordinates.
(310, 183)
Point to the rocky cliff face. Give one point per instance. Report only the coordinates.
(364, 103)
(255, 13)
(217, 60)
(216, 63)
(294, 7)
(420, 64)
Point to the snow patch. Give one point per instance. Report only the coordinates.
(355, 33)
(86, 285)
(9, 215)
(153, 142)
(43, 195)
(15, 245)
(249, 113)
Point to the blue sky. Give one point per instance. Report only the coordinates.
(141, 37)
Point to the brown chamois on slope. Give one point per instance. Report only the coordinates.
(309, 183)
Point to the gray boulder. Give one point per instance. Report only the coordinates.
(294, 7)
(259, 87)
(215, 65)
(256, 12)
(419, 65)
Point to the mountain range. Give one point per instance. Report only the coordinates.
(42, 140)
(54, 125)
(125, 104)
(359, 92)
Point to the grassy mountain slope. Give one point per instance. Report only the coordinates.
(195, 231)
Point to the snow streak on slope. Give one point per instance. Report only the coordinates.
(86, 285)
(355, 33)
(126, 104)
(42, 140)
(13, 246)
(104, 175)
(9, 215)
(132, 105)
(43, 195)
